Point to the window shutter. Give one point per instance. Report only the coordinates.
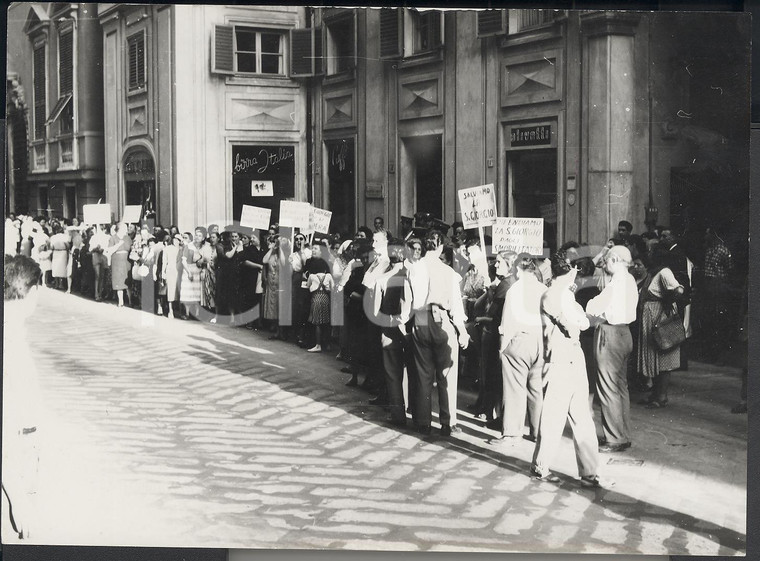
(136, 60)
(302, 53)
(319, 62)
(391, 23)
(40, 106)
(492, 22)
(222, 50)
(66, 62)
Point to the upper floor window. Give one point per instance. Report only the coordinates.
(258, 51)
(40, 88)
(405, 32)
(136, 61)
(65, 115)
(426, 31)
(340, 44)
(522, 20)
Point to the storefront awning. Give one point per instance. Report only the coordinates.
(60, 105)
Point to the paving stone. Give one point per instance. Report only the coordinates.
(404, 520)
(384, 505)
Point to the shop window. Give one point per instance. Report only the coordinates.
(247, 50)
(341, 45)
(136, 62)
(40, 88)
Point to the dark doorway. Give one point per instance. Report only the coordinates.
(426, 157)
(340, 174)
(532, 178)
(140, 183)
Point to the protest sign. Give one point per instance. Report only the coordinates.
(294, 214)
(255, 217)
(521, 235)
(132, 214)
(97, 214)
(319, 220)
(260, 188)
(478, 205)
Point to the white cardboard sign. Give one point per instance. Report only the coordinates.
(294, 214)
(319, 220)
(132, 214)
(97, 214)
(255, 217)
(261, 188)
(478, 205)
(521, 235)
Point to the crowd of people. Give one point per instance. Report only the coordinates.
(539, 337)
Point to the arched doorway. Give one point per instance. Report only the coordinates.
(140, 183)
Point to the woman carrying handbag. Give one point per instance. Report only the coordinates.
(661, 329)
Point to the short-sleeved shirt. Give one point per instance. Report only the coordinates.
(662, 282)
(718, 261)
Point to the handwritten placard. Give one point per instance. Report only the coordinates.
(294, 214)
(320, 220)
(521, 235)
(478, 206)
(97, 214)
(132, 214)
(255, 217)
(262, 188)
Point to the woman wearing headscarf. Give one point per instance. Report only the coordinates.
(118, 248)
(190, 283)
(60, 244)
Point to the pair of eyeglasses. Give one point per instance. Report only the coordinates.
(300, 239)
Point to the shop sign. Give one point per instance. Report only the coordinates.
(263, 160)
(478, 206)
(294, 214)
(538, 135)
(521, 235)
(255, 217)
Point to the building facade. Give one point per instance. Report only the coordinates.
(55, 110)
(201, 112)
(582, 118)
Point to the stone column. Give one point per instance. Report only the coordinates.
(608, 104)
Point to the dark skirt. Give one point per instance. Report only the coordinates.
(319, 313)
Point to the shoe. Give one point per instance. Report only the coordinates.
(530, 437)
(353, 382)
(657, 404)
(425, 430)
(315, 349)
(494, 424)
(347, 370)
(615, 447)
(548, 476)
(503, 441)
(596, 482)
(448, 430)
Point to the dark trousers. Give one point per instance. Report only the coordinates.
(612, 346)
(396, 352)
(491, 390)
(436, 356)
(99, 266)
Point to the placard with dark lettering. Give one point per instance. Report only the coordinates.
(521, 235)
(478, 205)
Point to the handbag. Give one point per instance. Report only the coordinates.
(669, 332)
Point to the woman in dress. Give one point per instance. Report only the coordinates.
(41, 252)
(207, 265)
(60, 244)
(119, 248)
(228, 257)
(250, 268)
(190, 285)
(271, 284)
(320, 286)
(170, 273)
(658, 301)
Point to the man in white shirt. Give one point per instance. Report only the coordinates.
(613, 310)
(439, 320)
(521, 353)
(565, 380)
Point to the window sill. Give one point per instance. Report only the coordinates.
(137, 91)
(426, 57)
(259, 80)
(538, 33)
(340, 77)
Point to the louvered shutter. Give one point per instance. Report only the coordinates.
(222, 61)
(40, 106)
(391, 33)
(302, 53)
(492, 22)
(66, 62)
(136, 55)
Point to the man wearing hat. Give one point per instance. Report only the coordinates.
(612, 311)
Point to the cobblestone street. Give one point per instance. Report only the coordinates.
(164, 432)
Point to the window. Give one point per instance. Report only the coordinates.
(40, 106)
(426, 28)
(136, 63)
(522, 20)
(341, 45)
(258, 51)
(66, 82)
(67, 151)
